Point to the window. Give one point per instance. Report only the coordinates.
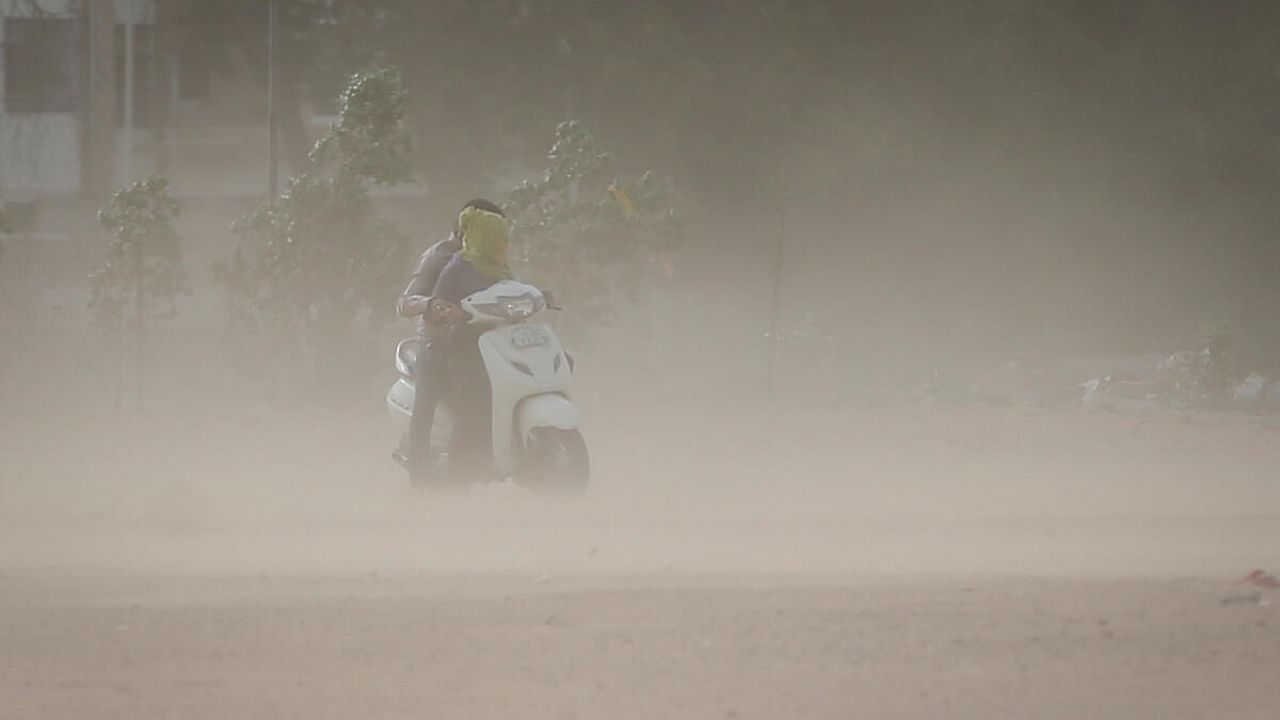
(40, 64)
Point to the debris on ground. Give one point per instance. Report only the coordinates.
(1191, 379)
(1017, 382)
(1258, 578)
(1251, 389)
(1254, 598)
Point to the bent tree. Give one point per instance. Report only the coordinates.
(592, 238)
(317, 264)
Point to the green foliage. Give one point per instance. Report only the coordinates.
(587, 239)
(1141, 76)
(318, 256)
(143, 256)
(369, 140)
(319, 252)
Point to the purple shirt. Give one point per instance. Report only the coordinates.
(460, 279)
(414, 301)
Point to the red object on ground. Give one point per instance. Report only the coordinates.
(1258, 578)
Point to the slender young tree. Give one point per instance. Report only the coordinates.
(142, 275)
(592, 239)
(309, 265)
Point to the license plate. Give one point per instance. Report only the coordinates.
(527, 336)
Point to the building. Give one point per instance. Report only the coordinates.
(51, 94)
(97, 93)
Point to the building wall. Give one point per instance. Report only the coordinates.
(39, 155)
(39, 152)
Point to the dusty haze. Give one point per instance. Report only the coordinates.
(1008, 199)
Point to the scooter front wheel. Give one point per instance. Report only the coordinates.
(556, 462)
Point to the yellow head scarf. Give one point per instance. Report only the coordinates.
(484, 241)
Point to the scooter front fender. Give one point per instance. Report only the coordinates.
(549, 410)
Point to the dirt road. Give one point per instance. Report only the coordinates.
(632, 648)
(897, 563)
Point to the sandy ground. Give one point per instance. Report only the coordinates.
(889, 562)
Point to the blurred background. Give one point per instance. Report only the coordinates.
(915, 187)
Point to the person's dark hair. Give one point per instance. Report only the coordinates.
(478, 204)
(485, 205)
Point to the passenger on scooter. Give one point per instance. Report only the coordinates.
(481, 263)
(431, 372)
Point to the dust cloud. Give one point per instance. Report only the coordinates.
(210, 556)
(914, 515)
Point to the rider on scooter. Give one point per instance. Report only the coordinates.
(481, 263)
(431, 373)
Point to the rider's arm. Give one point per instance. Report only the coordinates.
(412, 304)
(417, 294)
(447, 286)
(458, 280)
(444, 303)
(416, 298)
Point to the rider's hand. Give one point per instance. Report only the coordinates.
(443, 312)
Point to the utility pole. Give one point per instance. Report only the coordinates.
(135, 12)
(139, 319)
(126, 154)
(775, 298)
(161, 70)
(570, 102)
(273, 181)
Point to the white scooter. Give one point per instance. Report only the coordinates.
(537, 437)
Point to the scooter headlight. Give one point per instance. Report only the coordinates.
(513, 308)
